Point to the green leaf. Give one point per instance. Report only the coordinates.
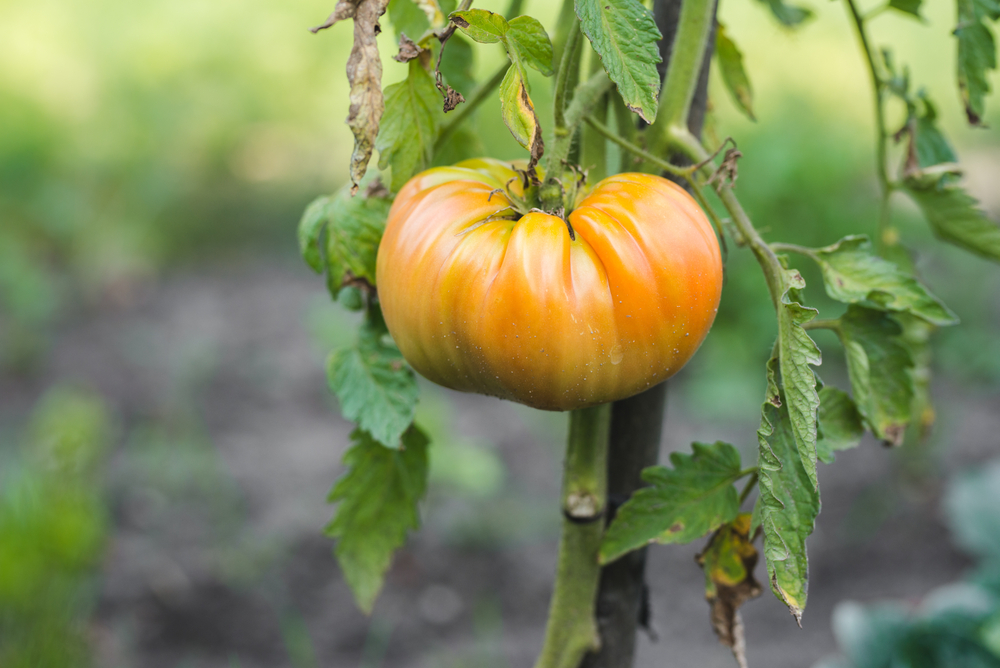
(854, 274)
(378, 499)
(789, 15)
(879, 365)
(375, 387)
(931, 146)
(796, 352)
(955, 217)
(517, 109)
(911, 7)
(682, 504)
(625, 36)
(311, 229)
(458, 64)
(840, 424)
(789, 501)
(528, 38)
(481, 25)
(407, 18)
(410, 125)
(353, 232)
(976, 55)
(733, 75)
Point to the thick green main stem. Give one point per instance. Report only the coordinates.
(571, 629)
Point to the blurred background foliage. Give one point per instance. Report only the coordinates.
(144, 140)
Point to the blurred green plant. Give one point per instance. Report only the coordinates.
(53, 531)
(955, 626)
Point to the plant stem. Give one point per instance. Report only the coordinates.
(882, 134)
(572, 629)
(751, 483)
(793, 248)
(686, 56)
(823, 323)
(477, 97)
(562, 135)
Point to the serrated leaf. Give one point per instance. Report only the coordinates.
(840, 424)
(788, 503)
(481, 25)
(625, 36)
(728, 561)
(931, 146)
(310, 233)
(798, 354)
(364, 72)
(517, 109)
(879, 367)
(410, 126)
(378, 499)
(458, 64)
(354, 229)
(733, 75)
(854, 274)
(789, 15)
(955, 217)
(528, 38)
(976, 55)
(375, 387)
(911, 7)
(681, 504)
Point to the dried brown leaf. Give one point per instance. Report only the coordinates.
(408, 49)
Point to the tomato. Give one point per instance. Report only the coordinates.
(482, 299)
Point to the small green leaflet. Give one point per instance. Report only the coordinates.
(375, 387)
(879, 365)
(789, 15)
(351, 228)
(682, 504)
(625, 36)
(931, 146)
(797, 352)
(854, 274)
(378, 499)
(481, 25)
(955, 217)
(911, 7)
(976, 54)
(788, 503)
(410, 125)
(528, 40)
(840, 424)
(733, 75)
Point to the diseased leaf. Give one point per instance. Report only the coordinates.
(955, 217)
(311, 229)
(481, 25)
(789, 501)
(625, 36)
(879, 366)
(798, 354)
(911, 7)
(840, 424)
(519, 112)
(364, 72)
(378, 499)
(789, 15)
(728, 561)
(411, 125)
(976, 54)
(854, 274)
(682, 504)
(375, 387)
(528, 38)
(916, 337)
(733, 75)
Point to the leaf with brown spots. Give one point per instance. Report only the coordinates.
(364, 72)
(728, 561)
(681, 504)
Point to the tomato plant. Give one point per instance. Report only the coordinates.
(531, 282)
(556, 314)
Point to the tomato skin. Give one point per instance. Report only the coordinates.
(517, 310)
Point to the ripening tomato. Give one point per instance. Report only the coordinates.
(482, 299)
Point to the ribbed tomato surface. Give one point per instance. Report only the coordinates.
(517, 309)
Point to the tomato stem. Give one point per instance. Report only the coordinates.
(572, 629)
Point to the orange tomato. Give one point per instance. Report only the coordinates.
(481, 299)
